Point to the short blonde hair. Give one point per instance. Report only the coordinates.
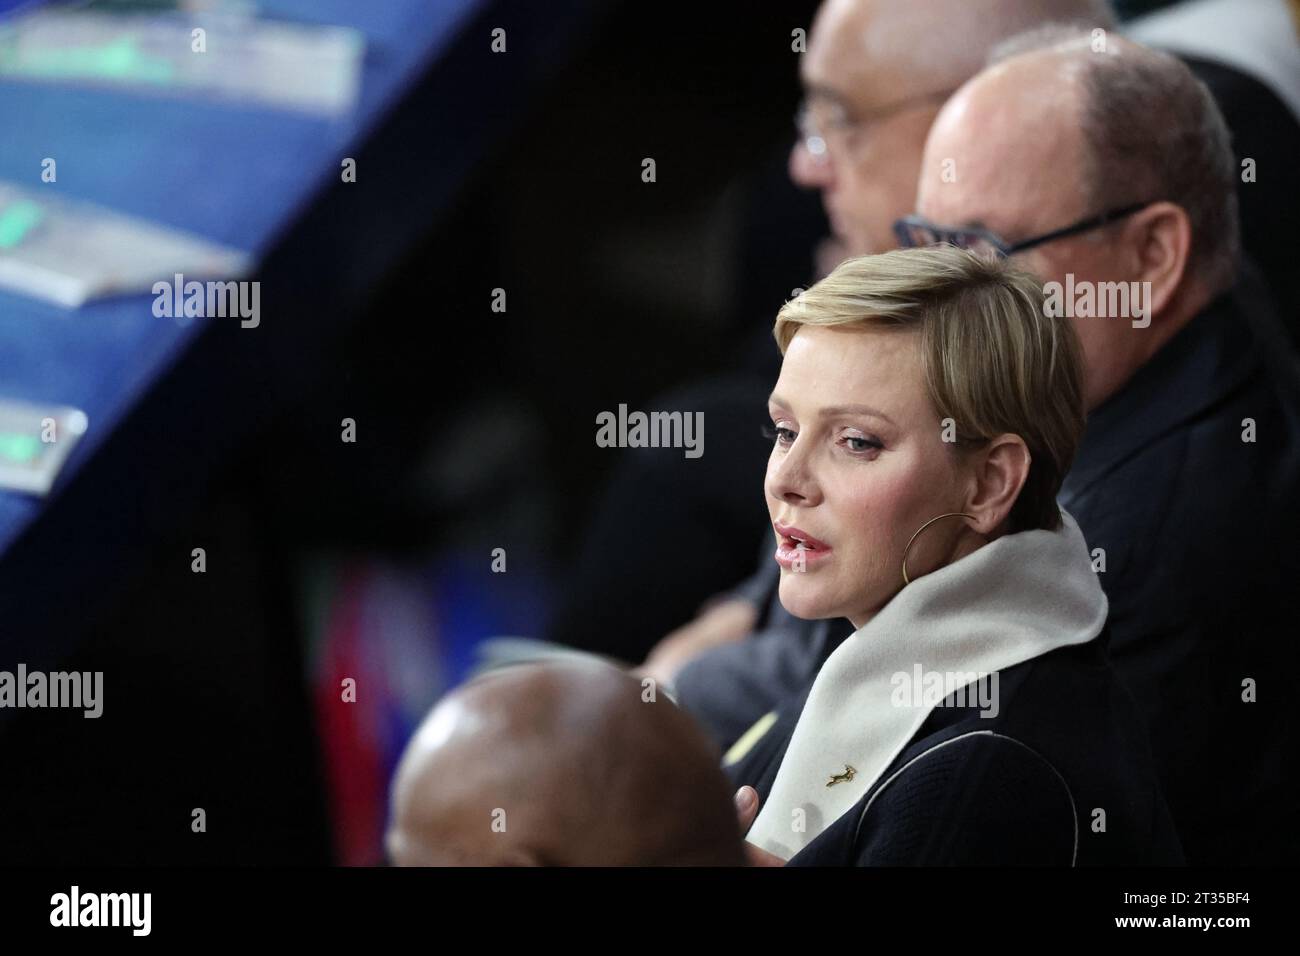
(993, 360)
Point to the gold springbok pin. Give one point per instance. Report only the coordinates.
(841, 777)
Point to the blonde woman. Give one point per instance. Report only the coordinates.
(924, 417)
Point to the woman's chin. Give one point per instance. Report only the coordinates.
(805, 602)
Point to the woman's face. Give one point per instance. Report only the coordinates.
(858, 465)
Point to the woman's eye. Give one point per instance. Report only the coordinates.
(782, 436)
(855, 444)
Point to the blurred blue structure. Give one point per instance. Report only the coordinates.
(167, 403)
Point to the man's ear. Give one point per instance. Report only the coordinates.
(1001, 470)
(1161, 239)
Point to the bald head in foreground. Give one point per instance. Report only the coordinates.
(561, 765)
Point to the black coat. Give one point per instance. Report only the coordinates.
(1201, 533)
(1061, 776)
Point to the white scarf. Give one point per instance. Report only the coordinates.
(1014, 599)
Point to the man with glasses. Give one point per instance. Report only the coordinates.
(1187, 484)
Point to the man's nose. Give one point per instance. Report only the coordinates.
(809, 171)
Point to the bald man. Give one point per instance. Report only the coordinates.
(573, 764)
(1105, 168)
(1004, 146)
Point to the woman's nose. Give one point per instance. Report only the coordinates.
(791, 481)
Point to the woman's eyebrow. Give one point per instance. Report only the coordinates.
(855, 410)
(833, 410)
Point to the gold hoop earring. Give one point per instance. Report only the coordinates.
(950, 514)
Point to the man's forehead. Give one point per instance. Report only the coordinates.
(961, 175)
(850, 60)
(991, 146)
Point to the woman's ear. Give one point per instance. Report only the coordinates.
(1000, 470)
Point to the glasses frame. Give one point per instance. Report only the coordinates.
(944, 234)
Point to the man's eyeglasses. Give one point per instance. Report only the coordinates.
(913, 232)
(823, 123)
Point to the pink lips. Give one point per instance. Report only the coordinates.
(796, 549)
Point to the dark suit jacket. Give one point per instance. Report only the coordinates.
(1062, 775)
(1201, 534)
